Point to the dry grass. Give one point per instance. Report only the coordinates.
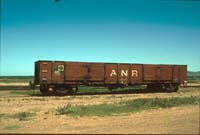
(180, 120)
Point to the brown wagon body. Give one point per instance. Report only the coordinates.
(57, 77)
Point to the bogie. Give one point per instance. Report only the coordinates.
(59, 90)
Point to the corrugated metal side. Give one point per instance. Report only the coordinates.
(123, 73)
(150, 72)
(165, 72)
(175, 74)
(95, 72)
(111, 73)
(75, 71)
(108, 73)
(58, 73)
(136, 73)
(182, 73)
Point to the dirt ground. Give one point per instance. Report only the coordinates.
(14, 84)
(181, 120)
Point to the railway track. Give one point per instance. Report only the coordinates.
(183, 90)
(22, 103)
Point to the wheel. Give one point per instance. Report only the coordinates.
(66, 91)
(171, 87)
(175, 87)
(61, 92)
(47, 90)
(73, 91)
(154, 87)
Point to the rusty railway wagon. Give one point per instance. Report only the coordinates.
(60, 77)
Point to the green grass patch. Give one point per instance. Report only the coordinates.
(193, 81)
(22, 116)
(11, 127)
(126, 107)
(25, 92)
(36, 109)
(86, 89)
(90, 89)
(16, 79)
(2, 115)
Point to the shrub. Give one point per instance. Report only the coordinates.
(126, 107)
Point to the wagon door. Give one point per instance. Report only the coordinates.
(150, 72)
(165, 73)
(175, 74)
(58, 72)
(111, 73)
(95, 72)
(75, 71)
(136, 73)
(123, 73)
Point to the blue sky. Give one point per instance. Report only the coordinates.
(128, 31)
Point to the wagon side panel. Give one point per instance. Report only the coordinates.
(111, 73)
(75, 71)
(95, 72)
(150, 72)
(165, 73)
(58, 72)
(136, 73)
(175, 74)
(123, 73)
(182, 73)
